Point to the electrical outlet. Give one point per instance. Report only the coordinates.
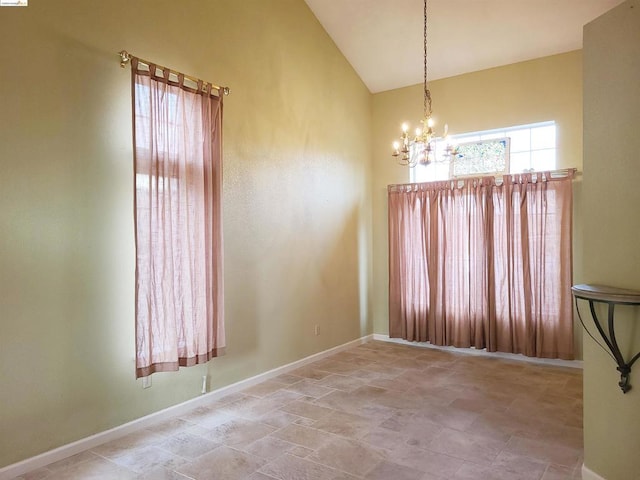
(146, 382)
(204, 384)
(316, 330)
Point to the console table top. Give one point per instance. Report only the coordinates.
(601, 293)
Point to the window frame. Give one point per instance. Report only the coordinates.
(418, 175)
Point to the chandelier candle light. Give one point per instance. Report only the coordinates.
(421, 148)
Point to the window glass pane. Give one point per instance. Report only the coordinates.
(433, 172)
(544, 159)
(519, 162)
(441, 146)
(520, 140)
(441, 171)
(543, 137)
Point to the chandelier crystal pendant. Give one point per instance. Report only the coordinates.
(421, 148)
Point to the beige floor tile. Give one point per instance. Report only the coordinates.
(339, 400)
(341, 382)
(310, 373)
(223, 463)
(306, 410)
(69, 461)
(426, 461)
(162, 473)
(368, 376)
(264, 388)
(141, 460)
(253, 408)
(466, 446)
(382, 368)
(502, 426)
(124, 445)
(336, 367)
(404, 401)
(546, 452)
(374, 410)
(188, 445)
(171, 427)
(239, 432)
(411, 363)
(38, 474)
(449, 417)
(562, 435)
(208, 417)
(558, 472)
(435, 393)
(309, 388)
(289, 467)
(259, 476)
(417, 431)
(269, 447)
(306, 422)
(287, 378)
(392, 384)
(388, 471)
(300, 451)
(345, 424)
(279, 419)
(471, 471)
(385, 439)
(356, 458)
(304, 436)
(94, 469)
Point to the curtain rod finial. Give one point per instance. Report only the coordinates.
(226, 90)
(124, 58)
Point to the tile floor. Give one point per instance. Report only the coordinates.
(377, 411)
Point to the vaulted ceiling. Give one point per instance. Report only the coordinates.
(383, 39)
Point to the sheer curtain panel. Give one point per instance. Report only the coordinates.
(482, 263)
(178, 224)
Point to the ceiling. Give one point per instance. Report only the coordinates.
(382, 39)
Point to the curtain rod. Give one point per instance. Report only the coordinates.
(553, 174)
(125, 57)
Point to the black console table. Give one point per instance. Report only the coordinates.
(612, 297)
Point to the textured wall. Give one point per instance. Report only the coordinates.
(297, 140)
(611, 229)
(549, 88)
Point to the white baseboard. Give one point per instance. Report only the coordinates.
(473, 351)
(589, 474)
(65, 451)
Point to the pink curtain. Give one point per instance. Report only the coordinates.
(478, 263)
(178, 224)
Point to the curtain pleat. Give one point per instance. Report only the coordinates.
(178, 222)
(476, 263)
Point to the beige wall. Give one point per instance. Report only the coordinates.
(549, 88)
(296, 202)
(611, 229)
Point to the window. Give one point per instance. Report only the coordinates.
(531, 148)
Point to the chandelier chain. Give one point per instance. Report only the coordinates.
(427, 94)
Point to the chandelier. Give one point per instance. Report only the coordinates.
(421, 148)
